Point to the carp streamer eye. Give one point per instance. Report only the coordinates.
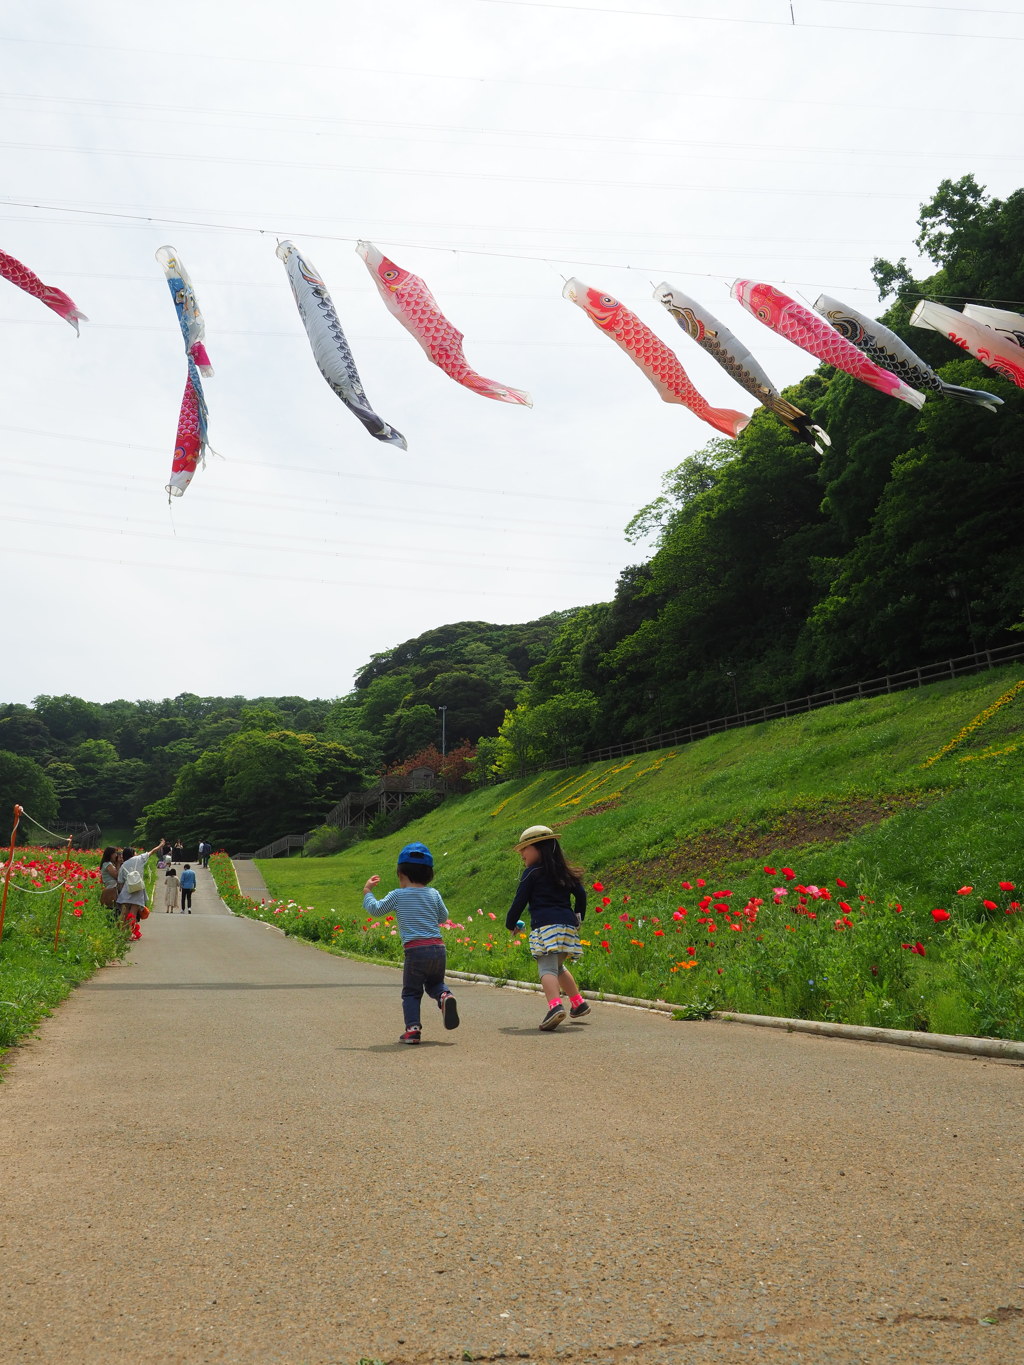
(391, 274)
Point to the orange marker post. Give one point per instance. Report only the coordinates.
(63, 893)
(18, 813)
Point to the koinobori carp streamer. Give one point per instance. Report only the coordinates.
(992, 348)
(660, 364)
(192, 439)
(54, 298)
(331, 350)
(412, 303)
(890, 351)
(805, 329)
(736, 360)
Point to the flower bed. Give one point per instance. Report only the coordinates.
(830, 952)
(33, 975)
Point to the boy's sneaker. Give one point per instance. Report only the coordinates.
(449, 1010)
(578, 1011)
(411, 1035)
(553, 1018)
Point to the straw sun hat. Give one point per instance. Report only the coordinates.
(536, 834)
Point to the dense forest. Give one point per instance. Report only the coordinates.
(771, 571)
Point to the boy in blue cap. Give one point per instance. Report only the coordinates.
(419, 912)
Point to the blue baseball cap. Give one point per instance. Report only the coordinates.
(417, 853)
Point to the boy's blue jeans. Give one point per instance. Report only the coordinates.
(424, 971)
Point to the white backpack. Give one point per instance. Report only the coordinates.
(134, 881)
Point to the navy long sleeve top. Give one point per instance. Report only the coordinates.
(548, 903)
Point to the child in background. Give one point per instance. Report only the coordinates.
(419, 912)
(170, 891)
(557, 901)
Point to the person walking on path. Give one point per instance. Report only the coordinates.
(187, 882)
(419, 912)
(557, 902)
(110, 865)
(205, 849)
(170, 891)
(131, 888)
(178, 852)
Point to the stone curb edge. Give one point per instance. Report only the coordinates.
(1002, 1048)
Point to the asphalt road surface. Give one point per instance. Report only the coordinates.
(218, 1151)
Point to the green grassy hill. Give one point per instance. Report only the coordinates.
(904, 798)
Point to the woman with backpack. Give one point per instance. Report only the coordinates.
(131, 888)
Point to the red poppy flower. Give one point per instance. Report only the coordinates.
(840, 882)
(679, 914)
(990, 905)
(939, 915)
(719, 971)
(769, 871)
(1007, 886)
(659, 933)
(691, 951)
(686, 886)
(597, 887)
(700, 881)
(965, 891)
(737, 927)
(606, 900)
(606, 944)
(898, 909)
(918, 948)
(843, 906)
(788, 873)
(77, 913)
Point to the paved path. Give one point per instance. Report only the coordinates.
(217, 1152)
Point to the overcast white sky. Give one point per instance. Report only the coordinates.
(491, 146)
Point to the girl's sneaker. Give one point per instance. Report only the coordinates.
(449, 1010)
(411, 1035)
(578, 1011)
(553, 1018)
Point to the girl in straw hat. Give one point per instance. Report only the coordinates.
(552, 890)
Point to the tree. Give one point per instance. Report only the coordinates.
(23, 783)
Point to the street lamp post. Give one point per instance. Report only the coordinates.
(444, 736)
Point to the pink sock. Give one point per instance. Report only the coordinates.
(552, 1003)
(575, 1000)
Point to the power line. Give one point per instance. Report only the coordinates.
(768, 23)
(318, 506)
(321, 472)
(203, 225)
(195, 158)
(364, 550)
(183, 566)
(555, 135)
(935, 9)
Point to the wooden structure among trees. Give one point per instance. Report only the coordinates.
(386, 795)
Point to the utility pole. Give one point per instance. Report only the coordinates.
(444, 736)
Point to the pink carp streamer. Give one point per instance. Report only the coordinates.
(190, 441)
(992, 348)
(56, 299)
(813, 334)
(659, 364)
(412, 303)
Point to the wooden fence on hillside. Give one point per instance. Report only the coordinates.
(388, 793)
(872, 687)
